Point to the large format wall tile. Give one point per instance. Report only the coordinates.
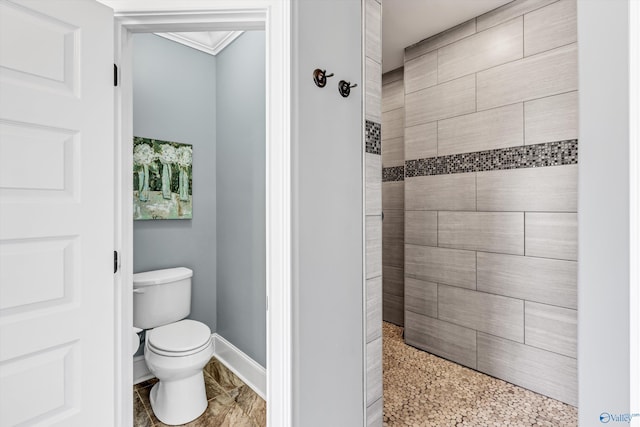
(501, 232)
(393, 226)
(393, 152)
(509, 11)
(496, 128)
(393, 75)
(493, 314)
(392, 124)
(444, 339)
(421, 73)
(374, 370)
(393, 253)
(455, 192)
(373, 254)
(551, 235)
(372, 46)
(549, 27)
(440, 265)
(445, 100)
(393, 309)
(542, 280)
(551, 328)
(373, 89)
(548, 73)
(393, 195)
(490, 177)
(485, 49)
(374, 308)
(554, 118)
(373, 30)
(542, 371)
(393, 96)
(393, 280)
(421, 228)
(421, 297)
(421, 141)
(547, 189)
(374, 414)
(373, 184)
(441, 39)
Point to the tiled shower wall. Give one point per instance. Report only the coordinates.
(393, 196)
(373, 211)
(490, 149)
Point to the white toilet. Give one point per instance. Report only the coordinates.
(176, 350)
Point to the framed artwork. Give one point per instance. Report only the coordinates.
(162, 179)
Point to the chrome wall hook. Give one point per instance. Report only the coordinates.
(320, 77)
(344, 88)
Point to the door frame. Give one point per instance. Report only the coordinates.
(274, 17)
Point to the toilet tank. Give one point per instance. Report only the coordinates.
(161, 297)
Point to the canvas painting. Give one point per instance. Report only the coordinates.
(162, 179)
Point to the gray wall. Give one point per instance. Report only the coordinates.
(603, 292)
(393, 196)
(491, 244)
(327, 216)
(373, 210)
(174, 99)
(240, 170)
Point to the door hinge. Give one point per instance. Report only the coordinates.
(115, 75)
(115, 262)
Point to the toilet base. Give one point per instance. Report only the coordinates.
(181, 401)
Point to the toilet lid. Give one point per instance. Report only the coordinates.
(180, 336)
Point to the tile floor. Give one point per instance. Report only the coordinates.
(231, 402)
(421, 389)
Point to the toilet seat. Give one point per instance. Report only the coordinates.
(179, 339)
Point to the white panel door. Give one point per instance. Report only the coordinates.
(56, 213)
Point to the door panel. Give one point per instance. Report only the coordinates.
(56, 213)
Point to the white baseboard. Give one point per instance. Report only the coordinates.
(247, 369)
(140, 370)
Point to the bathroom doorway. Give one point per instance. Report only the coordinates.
(199, 202)
(250, 18)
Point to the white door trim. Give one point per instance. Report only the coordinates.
(274, 16)
(634, 203)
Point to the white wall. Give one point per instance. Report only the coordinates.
(603, 275)
(327, 216)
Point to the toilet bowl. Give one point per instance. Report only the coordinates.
(176, 349)
(176, 354)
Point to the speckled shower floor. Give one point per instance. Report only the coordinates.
(421, 389)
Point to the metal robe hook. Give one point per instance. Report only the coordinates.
(344, 88)
(320, 77)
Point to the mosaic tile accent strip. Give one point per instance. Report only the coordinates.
(395, 173)
(527, 156)
(373, 144)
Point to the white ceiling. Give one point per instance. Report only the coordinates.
(405, 22)
(211, 42)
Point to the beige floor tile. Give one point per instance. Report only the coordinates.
(222, 375)
(141, 417)
(252, 404)
(231, 402)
